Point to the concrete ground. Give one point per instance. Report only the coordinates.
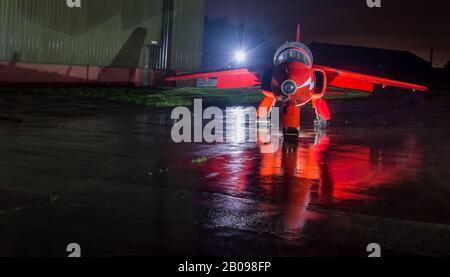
(107, 176)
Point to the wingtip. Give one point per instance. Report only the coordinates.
(423, 89)
(172, 77)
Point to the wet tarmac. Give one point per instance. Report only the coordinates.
(107, 176)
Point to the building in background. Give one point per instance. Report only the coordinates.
(385, 62)
(103, 42)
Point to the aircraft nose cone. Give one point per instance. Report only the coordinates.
(288, 87)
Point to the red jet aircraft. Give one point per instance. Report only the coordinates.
(295, 80)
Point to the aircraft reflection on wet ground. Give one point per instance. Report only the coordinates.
(322, 168)
(108, 176)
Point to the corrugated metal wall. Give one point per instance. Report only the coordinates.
(101, 32)
(187, 35)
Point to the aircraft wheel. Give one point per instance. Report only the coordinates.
(320, 123)
(291, 132)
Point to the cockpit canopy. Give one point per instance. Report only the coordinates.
(292, 55)
(293, 52)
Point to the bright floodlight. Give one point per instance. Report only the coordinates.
(240, 56)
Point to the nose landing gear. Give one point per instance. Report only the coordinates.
(291, 120)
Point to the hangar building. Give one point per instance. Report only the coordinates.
(102, 42)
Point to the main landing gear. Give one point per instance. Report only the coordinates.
(320, 123)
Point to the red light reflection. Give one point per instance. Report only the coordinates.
(313, 169)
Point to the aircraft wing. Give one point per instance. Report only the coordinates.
(226, 79)
(352, 80)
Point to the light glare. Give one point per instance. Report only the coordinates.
(240, 56)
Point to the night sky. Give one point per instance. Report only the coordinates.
(399, 24)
